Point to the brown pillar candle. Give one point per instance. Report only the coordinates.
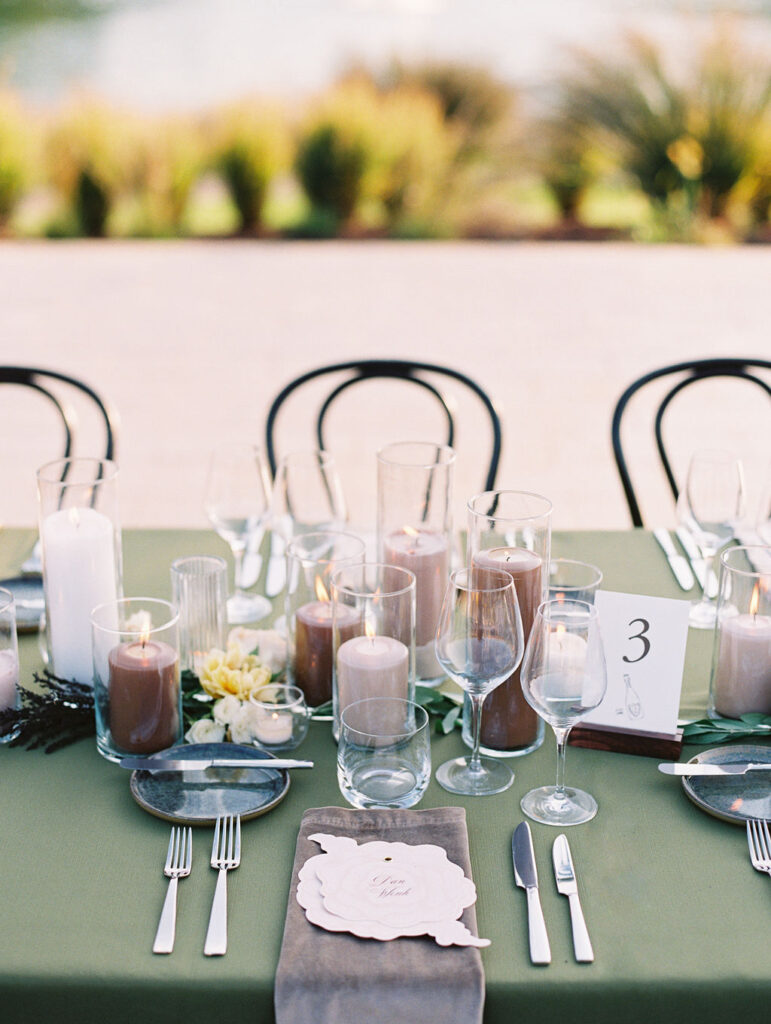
(144, 696)
(313, 646)
(508, 721)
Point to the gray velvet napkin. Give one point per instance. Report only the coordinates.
(326, 978)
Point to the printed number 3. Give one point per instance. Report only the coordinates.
(645, 626)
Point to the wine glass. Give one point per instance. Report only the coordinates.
(713, 503)
(563, 678)
(237, 503)
(307, 498)
(479, 643)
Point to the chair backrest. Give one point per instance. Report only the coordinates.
(40, 380)
(687, 373)
(368, 369)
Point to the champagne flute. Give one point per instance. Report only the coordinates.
(479, 643)
(714, 502)
(237, 503)
(563, 678)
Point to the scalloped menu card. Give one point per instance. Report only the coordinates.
(385, 891)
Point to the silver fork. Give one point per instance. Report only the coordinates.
(759, 842)
(225, 855)
(179, 861)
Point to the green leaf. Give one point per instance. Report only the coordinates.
(450, 720)
(754, 718)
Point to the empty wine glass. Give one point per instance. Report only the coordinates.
(479, 643)
(563, 677)
(237, 503)
(713, 504)
(307, 498)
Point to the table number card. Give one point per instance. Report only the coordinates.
(645, 640)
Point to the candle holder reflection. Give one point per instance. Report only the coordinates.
(137, 692)
(280, 717)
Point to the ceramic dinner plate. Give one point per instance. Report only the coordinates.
(197, 797)
(732, 798)
(30, 604)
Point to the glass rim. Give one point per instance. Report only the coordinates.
(110, 465)
(546, 511)
(355, 591)
(446, 450)
(321, 455)
(597, 573)
(122, 602)
(584, 607)
(395, 733)
(756, 573)
(7, 600)
(505, 579)
(308, 558)
(298, 698)
(214, 560)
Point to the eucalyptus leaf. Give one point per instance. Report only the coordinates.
(450, 720)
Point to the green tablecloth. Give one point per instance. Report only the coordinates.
(680, 921)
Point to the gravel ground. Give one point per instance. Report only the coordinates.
(191, 340)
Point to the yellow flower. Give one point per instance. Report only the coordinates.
(229, 673)
(687, 155)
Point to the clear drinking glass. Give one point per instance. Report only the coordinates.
(572, 580)
(9, 660)
(479, 643)
(307, 497)
(563, 678)
(714, 503)
(384, 754)
(237, 502)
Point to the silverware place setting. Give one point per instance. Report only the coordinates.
(179, 861)
(225, 856)
(759, 842)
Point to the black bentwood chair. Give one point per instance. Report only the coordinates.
(41, 381)
(687, 374)
(396, 369)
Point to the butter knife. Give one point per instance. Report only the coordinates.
(677, 563)
(703, 572)
(705, 768)
(526, 877)
(565, 876)
(167, 764)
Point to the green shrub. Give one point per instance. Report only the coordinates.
(16, 156)
(166, 160)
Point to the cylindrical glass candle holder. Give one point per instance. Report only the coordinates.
(9, 661)
(510, 531)
(311, 560)
(199, 589)
(373, 608)
(137, 691)
(280, 717)
(414, 527)
(740, 683)
(81, 549)
(570, 580)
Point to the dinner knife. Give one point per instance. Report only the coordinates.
(677, 563)
(703, 572)
(526, 877)
(704, 768)
(565, 876)
(167, 764)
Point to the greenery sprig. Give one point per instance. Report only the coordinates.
(444, 709)
(61, 713)
(717, 730)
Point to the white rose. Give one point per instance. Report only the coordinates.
(225, 710)
(205, 731)
(246, 640)
(273, 650)
(241, 726)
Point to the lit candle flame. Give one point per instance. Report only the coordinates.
(369, 630)
(74, 516)
(321, 591)
(755, 600)
(411, 531)
(560, 628)
(144, 636)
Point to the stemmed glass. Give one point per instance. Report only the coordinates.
(237, 502)
(713, 503)
(479, 643)
(563, 678)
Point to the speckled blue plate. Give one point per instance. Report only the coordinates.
(732, 798)
(198, 797)
(30, 603)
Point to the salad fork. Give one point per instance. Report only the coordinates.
(179, 861)
(759, 842)
(225, 855)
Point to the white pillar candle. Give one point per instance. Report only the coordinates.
(80, 572)
(372, 666)
(9, 679)
(427, 555)
(742, 681)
